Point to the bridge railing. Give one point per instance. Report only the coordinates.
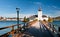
(12, 30)
(54, 29)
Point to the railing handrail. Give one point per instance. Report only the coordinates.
(9, 26)
(54, 29)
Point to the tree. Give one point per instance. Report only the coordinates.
(50, 19)
(25, 19)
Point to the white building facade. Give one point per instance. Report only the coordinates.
(41, 17)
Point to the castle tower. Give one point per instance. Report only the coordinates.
(39, 14)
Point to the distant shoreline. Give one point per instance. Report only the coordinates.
(8, 20)
(56, 20)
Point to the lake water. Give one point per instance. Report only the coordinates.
(56, 24)
(9, 23)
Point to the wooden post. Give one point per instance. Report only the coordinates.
(58, 32)
(58, 29)
(12, 31)
(12, 28)
(53, 28)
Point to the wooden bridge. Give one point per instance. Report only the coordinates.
(32, 29)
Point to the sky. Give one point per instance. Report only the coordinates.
(29, 7)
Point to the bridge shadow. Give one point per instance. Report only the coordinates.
(41, 32)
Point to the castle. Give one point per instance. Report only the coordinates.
(41, 16)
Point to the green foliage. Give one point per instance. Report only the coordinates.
(26, 19)
(50, 19)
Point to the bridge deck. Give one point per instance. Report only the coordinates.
(39, 30)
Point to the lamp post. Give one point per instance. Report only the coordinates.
(18, 16)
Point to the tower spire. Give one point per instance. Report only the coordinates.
(39, 9)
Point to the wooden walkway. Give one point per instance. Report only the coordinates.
(41, 31)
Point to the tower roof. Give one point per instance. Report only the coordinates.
(44, 16)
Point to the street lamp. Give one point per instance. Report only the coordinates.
(18, 16)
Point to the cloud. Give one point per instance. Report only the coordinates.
(27, 15)
(55, 14)
(53, 10)
(15, 15)
(37, 2)
(55, 7)
(58, 13)
(9, 6)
